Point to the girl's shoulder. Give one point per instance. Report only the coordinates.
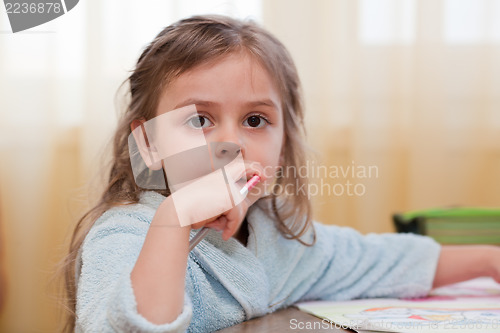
(129, 217)
(124, 225)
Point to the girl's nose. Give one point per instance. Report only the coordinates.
(223, 153)
(227, 150)
(227, 140)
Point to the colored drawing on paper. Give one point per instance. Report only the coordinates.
(431, 317)
(472, 306)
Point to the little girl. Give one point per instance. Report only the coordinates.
(129, 266)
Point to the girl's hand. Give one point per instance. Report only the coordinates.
(464, 262)
(229, 221)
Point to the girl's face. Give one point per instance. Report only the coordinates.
(237, 102)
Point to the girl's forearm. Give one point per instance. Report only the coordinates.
(158, 277)
(465, 262)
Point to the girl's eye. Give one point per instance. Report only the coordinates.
(199, 122)
(255, 121)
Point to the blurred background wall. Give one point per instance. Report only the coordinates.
(410, 88)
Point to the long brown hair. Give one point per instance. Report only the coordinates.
(175, 50)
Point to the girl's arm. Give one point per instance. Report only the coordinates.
(159, 273)
(158, 277)
(460, 263)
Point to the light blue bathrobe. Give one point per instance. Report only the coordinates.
(227, 283)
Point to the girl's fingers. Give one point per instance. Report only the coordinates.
(214, 222)
(219, 224)
(230, 229)
(235, 219)
(229, 221)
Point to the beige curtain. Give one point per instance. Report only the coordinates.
(403, 87)
(418, 108)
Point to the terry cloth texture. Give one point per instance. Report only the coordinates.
(228, 283)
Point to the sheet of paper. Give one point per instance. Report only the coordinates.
(471, 306)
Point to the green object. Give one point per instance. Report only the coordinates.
(463, 225)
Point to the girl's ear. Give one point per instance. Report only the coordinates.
(148, 152)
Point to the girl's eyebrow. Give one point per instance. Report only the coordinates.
(264, 102)
(192, 101)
